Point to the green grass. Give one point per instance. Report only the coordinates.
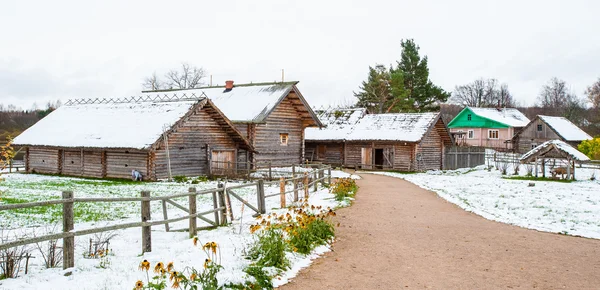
(533, 178)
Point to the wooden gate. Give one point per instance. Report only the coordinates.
(222, 162)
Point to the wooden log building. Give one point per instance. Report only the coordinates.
(110, 139)
(272, 116)
(404, 142)
(546, 128)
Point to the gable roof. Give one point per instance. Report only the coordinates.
(407, 127)
(134, 125)
(251, 103)
(565, 128)
(557, 145)
(510, 117)
(339, 123)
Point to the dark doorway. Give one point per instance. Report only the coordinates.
(379, 158)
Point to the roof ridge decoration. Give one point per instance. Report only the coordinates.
(161, 97)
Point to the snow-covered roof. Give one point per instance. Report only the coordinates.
(339, 124)
(508, 116)
(244, 103)
(408, 127)
(558, 145)
(112, 125)
(565, 128)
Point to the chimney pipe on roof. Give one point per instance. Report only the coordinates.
(229, 85)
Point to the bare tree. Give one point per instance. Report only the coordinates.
(593, 94)
(187, 77)
(558, 98)
(483, 93)
(153, 83)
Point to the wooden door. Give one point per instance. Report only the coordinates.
(222, 161)
(388, 157)
(366, 157)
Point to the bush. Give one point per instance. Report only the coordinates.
(269, 249)
(310, 233)
(591, 148)
(343, 187)
(262, 280)
(180, 179)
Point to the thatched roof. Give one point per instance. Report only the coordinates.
(553, 147)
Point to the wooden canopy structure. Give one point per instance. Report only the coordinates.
(554, 149)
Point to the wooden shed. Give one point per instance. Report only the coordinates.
(546, 128)
(110, 139)
(327, 145)
(272, 116)
(554, 149)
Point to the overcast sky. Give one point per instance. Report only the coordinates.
(71, 49)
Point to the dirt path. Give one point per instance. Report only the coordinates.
(399, 236)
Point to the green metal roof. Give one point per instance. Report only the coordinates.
(468, 119)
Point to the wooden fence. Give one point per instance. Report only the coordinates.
(463, 157)
(220, 214)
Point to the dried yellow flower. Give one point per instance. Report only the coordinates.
(145, 265)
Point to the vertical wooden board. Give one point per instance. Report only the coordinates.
(43, 160)
(71, 162)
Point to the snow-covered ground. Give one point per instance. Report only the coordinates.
(122, 270)
(568, 208)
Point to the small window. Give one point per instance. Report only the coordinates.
(469, 117)
(533, 145)
(283, 139)
(539, 128)
(493, 134)
(471, 134)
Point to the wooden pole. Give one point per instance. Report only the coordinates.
(295, 181)
(215, 206)
(192, 203)
(282, 192)
(146, 230)
(568, 169)
(315, 183)
(68, 243)
(222, 213)
(536, 167)
(543, 167)
(329, 176)
(270, 171)
(248, 168)
(293, 170)
(305, 185)
(165, 215)
(228, 202)
(260, 190)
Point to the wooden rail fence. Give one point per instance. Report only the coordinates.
(221, 212)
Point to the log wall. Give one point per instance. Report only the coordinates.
(43, 160)
(119, 164)
(284, 119)
(431, 151)
(404, 156)
(187, 145)
(333, 154)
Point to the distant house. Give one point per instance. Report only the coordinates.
(272, 116)
(546, 128)
(404, 141)
(327, 144)
(487, 127)
(112, 138)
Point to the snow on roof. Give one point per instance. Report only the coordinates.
(508, 116)
(244, 103)
(408, 127)
(339, 124)
(548, 146)
(565, 128)
(113, 125)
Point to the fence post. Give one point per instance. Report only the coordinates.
(193, 208)
(282, 192)
(68, 242)
(146, 230)
(322, 176)
(293, 170)
(164, 208)
(270, 171)
(295, 181)
(315, 183)
(215, 206)
(305, 185)
(260, 195)
(248, 169)
(228, 202)
(329, 176)
(222, 214)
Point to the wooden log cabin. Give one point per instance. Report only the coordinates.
(327, 145)
(111, 139)
(546, 128)
(272, 116)
(404, 142)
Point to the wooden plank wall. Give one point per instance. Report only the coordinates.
(43, 160)
(92, 164)
(353, 152)
(72, 162)
(404, 156)
(187, 146)
(431, 150)
(119, 164)
(334, 152)
(530, 135)
(284, 119)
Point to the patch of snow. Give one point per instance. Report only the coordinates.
(408, 127)
(566, 128)
(339, 124)
(113, 125)
(556, 145)
(508, 116)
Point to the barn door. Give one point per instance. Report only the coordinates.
(388, 157)
(222, 161)
(366, 157)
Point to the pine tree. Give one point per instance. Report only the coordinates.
(375, 91)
